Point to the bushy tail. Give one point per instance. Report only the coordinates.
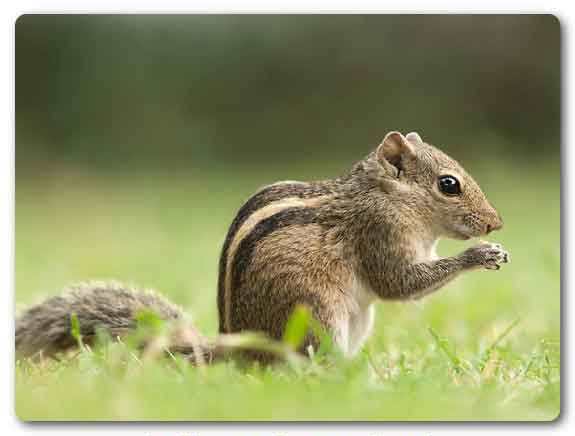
(46, 328)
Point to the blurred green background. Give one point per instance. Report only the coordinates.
(139, 137)
(198, 91)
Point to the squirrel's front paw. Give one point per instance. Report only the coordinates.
(487, 255)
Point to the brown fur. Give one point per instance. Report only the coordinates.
(311, 273)
(246, 228)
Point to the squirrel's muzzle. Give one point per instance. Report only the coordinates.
(495, 224)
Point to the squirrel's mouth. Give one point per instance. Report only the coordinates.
(462, 232)
(463, 236)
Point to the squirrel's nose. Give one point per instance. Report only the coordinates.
(495, 225)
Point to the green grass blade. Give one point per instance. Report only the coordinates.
(75, 330)
(297, 327)
(443, 344)
(489, 350)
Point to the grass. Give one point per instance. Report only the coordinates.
(485, 347)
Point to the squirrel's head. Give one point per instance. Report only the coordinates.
(433, 185)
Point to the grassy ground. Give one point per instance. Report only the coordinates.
(485, 347)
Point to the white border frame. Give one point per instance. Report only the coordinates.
(565, 11)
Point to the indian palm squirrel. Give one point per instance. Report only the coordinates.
(335, 246)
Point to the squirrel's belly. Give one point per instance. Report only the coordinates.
(360, 328)
(361, 314)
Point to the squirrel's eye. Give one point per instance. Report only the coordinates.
(449, 185)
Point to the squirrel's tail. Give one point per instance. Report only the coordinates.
(46, 328)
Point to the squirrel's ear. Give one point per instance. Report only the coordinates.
(414, 138)
(393, 149)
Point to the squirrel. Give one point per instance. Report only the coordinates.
(335, 246)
